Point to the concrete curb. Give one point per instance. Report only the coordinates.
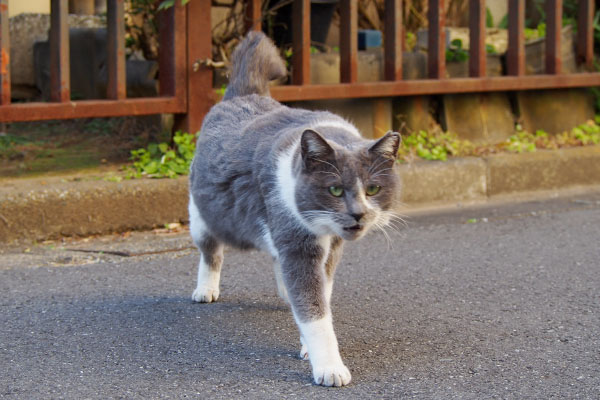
(44, 208)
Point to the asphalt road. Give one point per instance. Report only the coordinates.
(500, 301)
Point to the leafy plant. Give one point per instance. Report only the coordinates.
(535, 33)
(490, 49)
(221, 90)
(432, 146)
(410, 40)
(503, 24)
(521, 142)
(456, 52)
(439, 146)
(164, 161)
(489, 18)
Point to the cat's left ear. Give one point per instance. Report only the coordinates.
(387, 146)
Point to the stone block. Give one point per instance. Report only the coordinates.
(325, 67)
(493, 67)
(372, 117)
(32, 211)
(556, 110)
(479, 117)
(535, 53)
(543, 170)
(454, 180)
(496, 37)
(413, 113)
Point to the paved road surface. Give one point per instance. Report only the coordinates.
(494, 302)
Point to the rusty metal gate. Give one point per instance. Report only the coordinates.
(186, 83)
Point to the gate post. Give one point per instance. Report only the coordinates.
(199, 83)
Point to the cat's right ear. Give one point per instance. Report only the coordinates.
(387, 146)
(314, 147)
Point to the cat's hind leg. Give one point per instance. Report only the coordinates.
(211, 258)
(281, 289)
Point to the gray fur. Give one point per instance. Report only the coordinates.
(235, 186)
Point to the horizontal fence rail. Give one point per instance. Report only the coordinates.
(186, 79)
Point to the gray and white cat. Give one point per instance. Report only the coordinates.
(292, 182)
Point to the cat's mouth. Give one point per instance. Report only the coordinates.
(354, 228)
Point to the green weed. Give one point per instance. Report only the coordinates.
(456, 52)
(441, 146)
(430, 146)
(163, 161)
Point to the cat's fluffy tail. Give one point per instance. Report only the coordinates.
(255, 62)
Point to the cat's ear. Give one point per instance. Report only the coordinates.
(387, 146)
(314, 147)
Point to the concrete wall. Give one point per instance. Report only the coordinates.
(16, 7)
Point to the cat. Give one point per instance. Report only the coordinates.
(292, 182)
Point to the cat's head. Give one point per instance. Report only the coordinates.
(347, 190)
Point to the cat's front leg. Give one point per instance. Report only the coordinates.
(323, 352)
(334, 255)
(306, 281)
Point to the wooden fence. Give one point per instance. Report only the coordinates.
(186, 82)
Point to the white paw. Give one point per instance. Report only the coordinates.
(205, 294)
(332, 375)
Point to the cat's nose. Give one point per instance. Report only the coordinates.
(357, 216)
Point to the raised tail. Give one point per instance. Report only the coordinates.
(255, 62)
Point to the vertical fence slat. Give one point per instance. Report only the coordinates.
(4, 54)
(115, 21)
(253, 15)
(436, 40)
(173, 74)
(301, 42)
(516, 38)
(200, 93)
(553, 36)
(60, 85)
(166, 50)
(585, 32)
(348, 41)
(180, 56)
(477, 53)
(393, 40)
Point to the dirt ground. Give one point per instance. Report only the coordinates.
(46, 147)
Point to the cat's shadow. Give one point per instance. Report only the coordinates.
(239, 334)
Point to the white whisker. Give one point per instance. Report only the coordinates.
(328, 163)
(385, 234)
(375, 166)
(381, 172)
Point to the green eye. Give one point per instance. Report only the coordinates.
(336, 191)
(372, 190)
